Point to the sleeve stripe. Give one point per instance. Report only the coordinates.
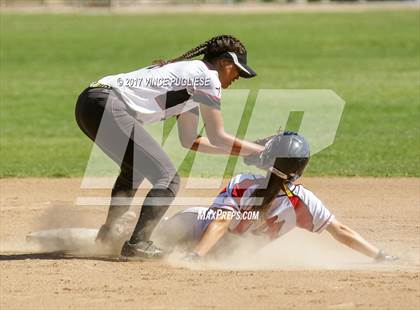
(322, 226)
(206, 99)
(215, 98)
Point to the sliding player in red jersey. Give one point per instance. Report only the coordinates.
(270, 205)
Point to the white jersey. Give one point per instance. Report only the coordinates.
(158, 92)
(302, 209)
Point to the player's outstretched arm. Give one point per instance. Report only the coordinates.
(187, 132)
(214, 232)
(352, 239)
(213, 123)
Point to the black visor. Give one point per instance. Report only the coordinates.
(240, 61)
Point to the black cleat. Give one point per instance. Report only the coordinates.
(141, 249)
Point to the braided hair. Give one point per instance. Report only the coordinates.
(211, 49)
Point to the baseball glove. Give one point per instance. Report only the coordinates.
(255, 159)
(263, 141)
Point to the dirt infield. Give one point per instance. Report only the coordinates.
(302, 271)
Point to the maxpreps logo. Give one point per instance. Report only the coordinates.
(220, 214)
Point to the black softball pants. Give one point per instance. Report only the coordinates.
(103, 116)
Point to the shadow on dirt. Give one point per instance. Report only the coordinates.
(55, 256)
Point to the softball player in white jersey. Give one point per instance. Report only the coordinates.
(112, 113)
(291, 206)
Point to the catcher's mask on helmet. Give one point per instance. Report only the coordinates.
(286, 155)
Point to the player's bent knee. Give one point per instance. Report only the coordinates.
(175, 184)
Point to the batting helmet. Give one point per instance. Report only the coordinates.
(286, 155)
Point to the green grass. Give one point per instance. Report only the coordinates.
(369, 59)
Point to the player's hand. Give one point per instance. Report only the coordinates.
(263, 141)
(253, 159)
(191, 257)
(385, 257)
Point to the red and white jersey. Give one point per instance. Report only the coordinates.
(300, 209)
(158, 92)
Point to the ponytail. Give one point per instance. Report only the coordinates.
(196, 51)
(210, 49)
(268, 194)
